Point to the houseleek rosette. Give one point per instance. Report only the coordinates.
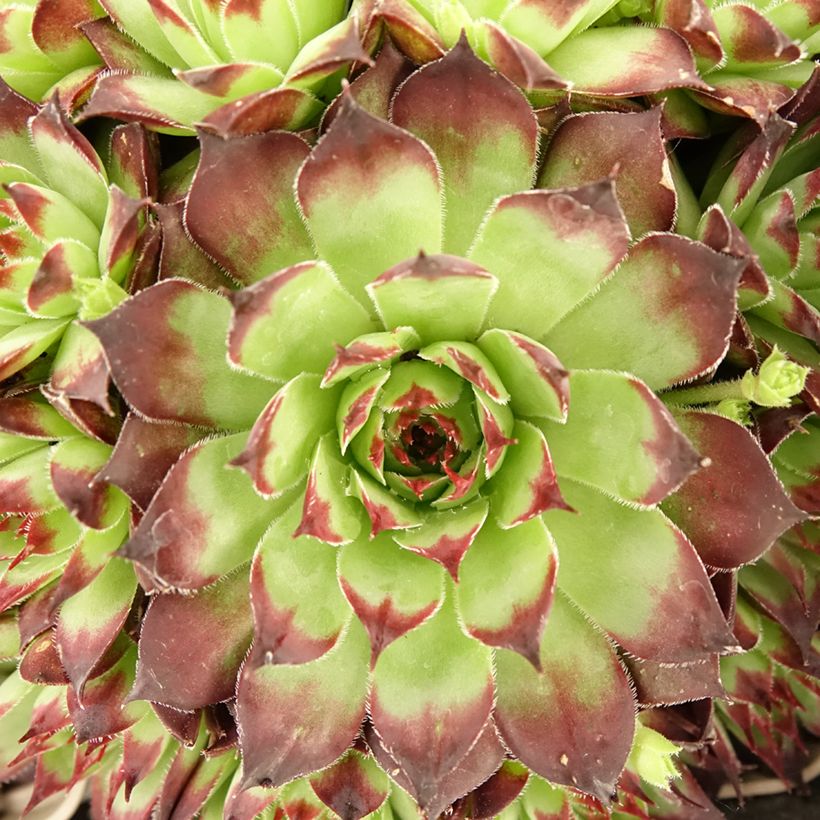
(191, 57)
(44, 51)
(447, 497)
(74, 239)
(540, 45)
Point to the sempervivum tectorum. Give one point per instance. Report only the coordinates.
(187, 59)
(74, 240)
(540, 45)
(43, 50)
(448, 495)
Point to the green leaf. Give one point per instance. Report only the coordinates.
(432, 696)
(391, 590)
(520, 566)
(606, 545)
(288, 323)
(421, 292)
(620, 438)
(379, 176)
(284, 435)
(532, 242)
(485, 151)
(665, 315)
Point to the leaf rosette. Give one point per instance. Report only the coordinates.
(173, 63)
(434, 475)
(75, 238)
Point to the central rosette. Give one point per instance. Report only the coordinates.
(427, 410)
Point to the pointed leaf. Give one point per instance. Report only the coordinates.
(657, 568)
(90, 621)
(282, 711)
(432, 696)
(356, 403)
(669, 287)
(657, 59)
(734, 508)
(283, 437)
(288, 323)
(620, 438)
(590, 147)
(537, 381)
(243, 22)
(184, 327)
(74, 466)
(520, 566)
(383, 508)
(15, 144)
(526, 485)
(191, 646)
(445, 536)
(467, 360)
(484, 151)
(64, 265)
(328, 513)
(51, 216)
(25, 486)
(576, 730)
(353, 788)
(419, 292)
(298, 609)
(531, 242)
(205, 520)
(369, 351)
(358, 169)
(143, 455)
(258, 229)
(391, 590)
(71, 164)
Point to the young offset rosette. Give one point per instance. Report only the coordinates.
(540, 45)
(183, 59)
(74, 240)
(43, 50)
(445, 507)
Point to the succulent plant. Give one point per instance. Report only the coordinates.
(425, 479)
(191, 57)
(43, 50)
(409, 464)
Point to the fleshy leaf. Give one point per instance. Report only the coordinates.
(432, 697)
(71, 165)
(576, 730)
(446, 535)
(391, 590)
(354, 787)
(669, 287)
(537, 381)
(734, 508)
(299, 611)
(74, 466)
(205, 520)
(369, 351)
(620, 438)
(532, 241)
(90, 621)
(383, 508)
(143, 455)
(284, 435)
(184, 327)
(485, 151)
(258, 229)
(288, 323)
(328, 513)
(520, 566)
(410, 292)
(657, 59)
(358, 169)
(654, 564)
(527, 484)
(589, 147)
(358, 399)
(191, 646)
(282, 711)
(51, 216)
(468, 361)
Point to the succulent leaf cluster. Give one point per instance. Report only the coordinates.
(396, 420)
